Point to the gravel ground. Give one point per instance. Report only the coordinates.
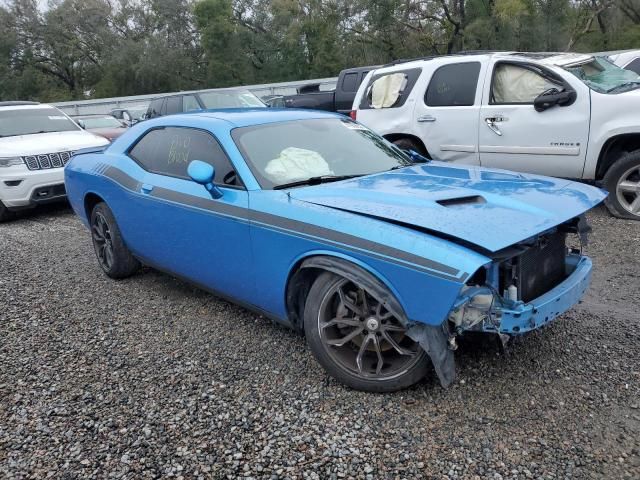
(150, 377)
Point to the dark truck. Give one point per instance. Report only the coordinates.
(338, 100)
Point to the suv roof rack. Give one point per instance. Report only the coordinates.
(16, 103)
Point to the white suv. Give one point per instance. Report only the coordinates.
(563, 115)
(36, 142)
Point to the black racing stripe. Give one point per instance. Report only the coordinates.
(122, 178)
(295, 227)
(368, 253)
(199, 202)
(347, 239)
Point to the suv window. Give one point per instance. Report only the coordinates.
(169, 150)
(189, 103)
(634, 66)
(389, 90)
(516, 84)
(453, 85)
(155, 108)
(174, 105)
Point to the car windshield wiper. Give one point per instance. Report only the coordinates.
(623, 85)
(315, 181)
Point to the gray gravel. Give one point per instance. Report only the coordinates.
(150, 377)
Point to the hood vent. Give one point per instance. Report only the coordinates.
(455, 202)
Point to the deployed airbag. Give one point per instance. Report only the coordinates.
(297, 164)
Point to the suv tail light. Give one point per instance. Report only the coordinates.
(353, 114)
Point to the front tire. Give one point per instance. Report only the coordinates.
(357, 340)
(5, 214)
(622, 181)
(114, 257)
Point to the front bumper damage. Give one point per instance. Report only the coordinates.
(500, 315)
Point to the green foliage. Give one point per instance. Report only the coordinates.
(101, 48)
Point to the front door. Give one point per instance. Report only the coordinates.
(514, 136)
(447, 115)
(180, 227)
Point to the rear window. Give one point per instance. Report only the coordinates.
(453, 85)
(350, 82)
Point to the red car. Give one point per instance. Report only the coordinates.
(104, 125)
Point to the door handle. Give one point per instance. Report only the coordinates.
(491, 123)
(146, 188)
(426, 118)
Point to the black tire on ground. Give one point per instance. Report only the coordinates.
(4, 213)
(409, 144)
(329, 319)
(114, 257)
(622, 181)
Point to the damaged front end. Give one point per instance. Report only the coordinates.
(525, 287)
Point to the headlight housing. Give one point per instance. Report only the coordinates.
(10, 161)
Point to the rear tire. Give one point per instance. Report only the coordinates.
(114, 257)
(366, 351)
(622, 181)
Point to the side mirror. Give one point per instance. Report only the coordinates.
(553, 96)
(204, 173)
(82, 125)
(126, 117)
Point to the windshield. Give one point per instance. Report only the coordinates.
(604, 77)
(137, 113)
(100, 122)
(230, 99)
(28, 121)
(281, 153)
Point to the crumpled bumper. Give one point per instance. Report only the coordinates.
(523, 317)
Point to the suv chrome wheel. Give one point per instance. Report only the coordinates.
(628, 190)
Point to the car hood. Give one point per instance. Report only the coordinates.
(49, 143)
(491, 209)
(109, 133)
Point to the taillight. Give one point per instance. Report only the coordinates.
(353, 114)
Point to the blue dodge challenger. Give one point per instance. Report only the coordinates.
(381, 257)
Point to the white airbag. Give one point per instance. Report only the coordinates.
(297, 164)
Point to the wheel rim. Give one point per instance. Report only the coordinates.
(102, 241)
(362, 337)
(628, 190)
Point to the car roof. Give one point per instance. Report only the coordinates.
(23, 106)
(92, 115)
(244, 117)
(547, 58)
(198, 92)
(14, 103)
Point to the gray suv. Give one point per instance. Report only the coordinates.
(203, 100)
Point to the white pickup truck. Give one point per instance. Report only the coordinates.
(563, 115)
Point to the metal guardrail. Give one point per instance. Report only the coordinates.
(105, 105)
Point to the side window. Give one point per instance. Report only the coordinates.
(155, 108)
(189, 103)
(350, 82)
(386, 91)
(453, 85)
(513, 84)
(634, 66)
(168, 151)
(174, 105)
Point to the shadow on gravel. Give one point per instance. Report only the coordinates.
(47, 212)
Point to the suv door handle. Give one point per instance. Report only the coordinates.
(426, 118)
(491, 123)
(146, 188)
